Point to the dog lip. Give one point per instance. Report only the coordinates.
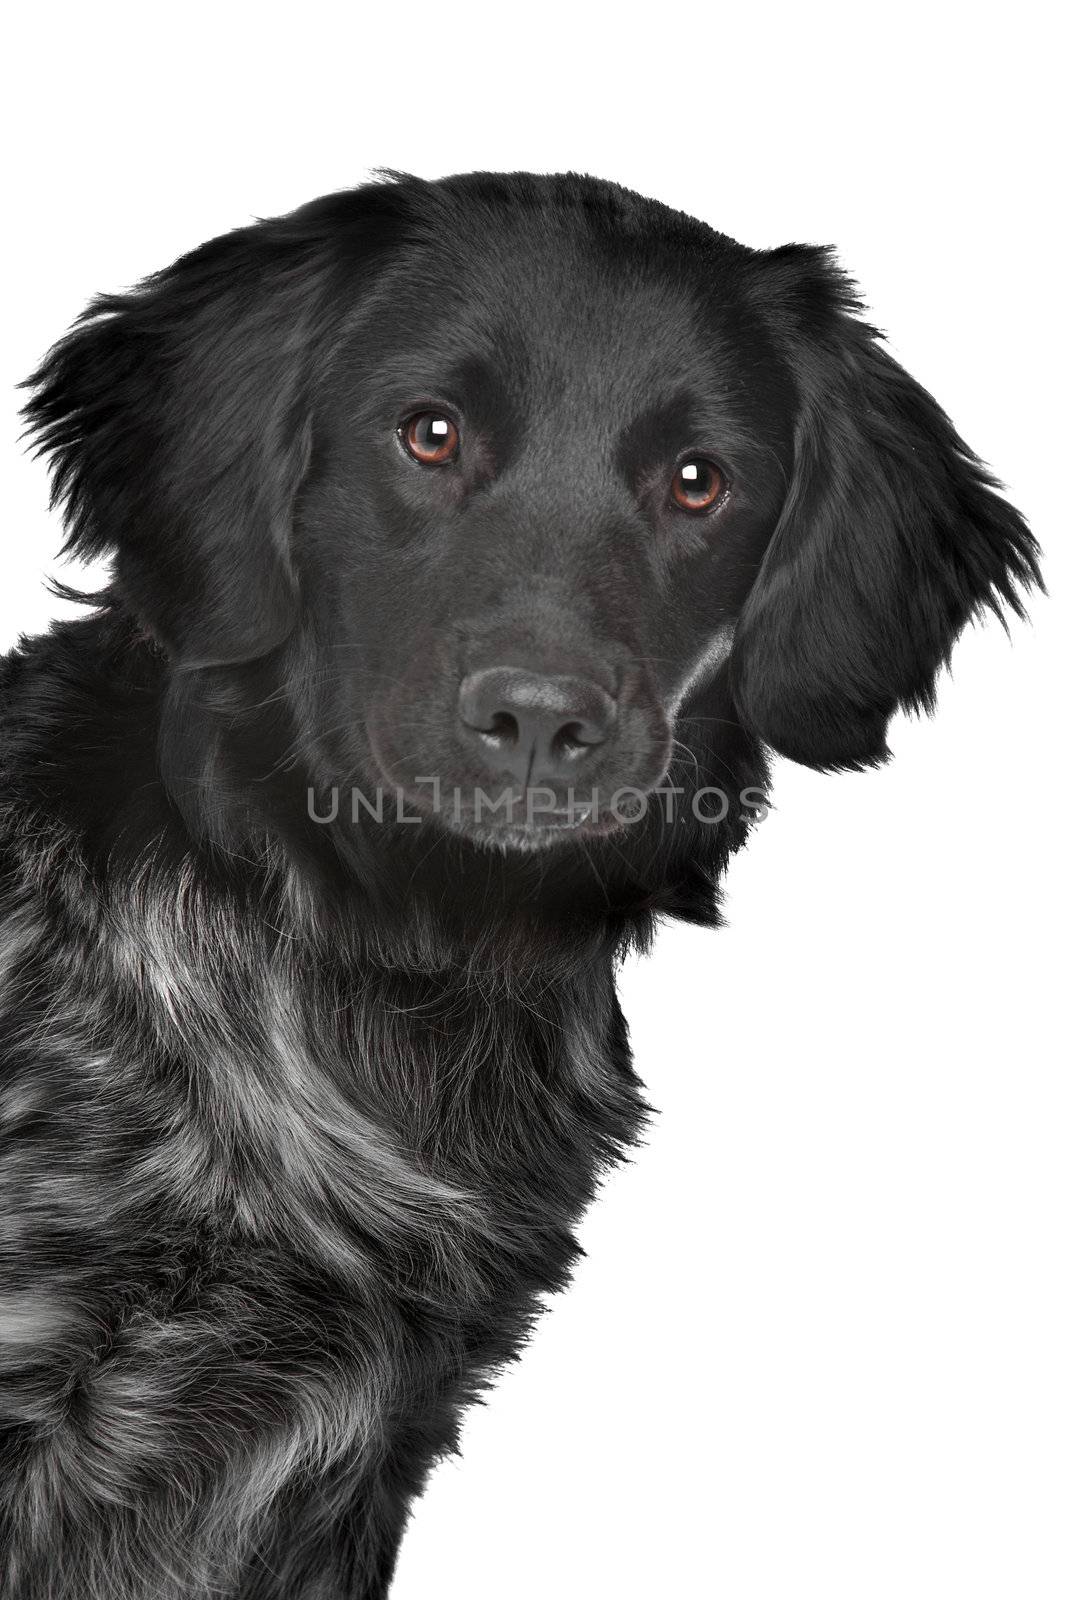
(547, 820)
(531, 835)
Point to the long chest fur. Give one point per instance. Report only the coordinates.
(266, 1203)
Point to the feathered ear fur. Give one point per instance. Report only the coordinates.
(177, 420)
(892, 537)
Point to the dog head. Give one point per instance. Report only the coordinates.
(529, 493)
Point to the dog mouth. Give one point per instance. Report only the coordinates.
(528, 804)
(520, 819)
(549, 829)
(510, 817)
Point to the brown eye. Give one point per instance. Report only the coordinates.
(430, 438)
(697, 485)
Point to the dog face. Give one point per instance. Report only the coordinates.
(522, 484)
(543, 477)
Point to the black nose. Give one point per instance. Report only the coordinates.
(534, 726)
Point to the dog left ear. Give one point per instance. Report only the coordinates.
(891, 539)
(177, 419)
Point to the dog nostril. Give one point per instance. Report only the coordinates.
(503, 729)
(574, 738)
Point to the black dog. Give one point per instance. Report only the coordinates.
(472, 541)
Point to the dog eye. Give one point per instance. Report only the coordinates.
(698, 484)
(430, 438)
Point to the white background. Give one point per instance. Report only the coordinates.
(818, 1345)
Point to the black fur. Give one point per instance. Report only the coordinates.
(297, 1117)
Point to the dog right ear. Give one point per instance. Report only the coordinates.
(891, 539)
(177, 419)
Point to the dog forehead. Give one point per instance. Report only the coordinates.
(558, 315)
